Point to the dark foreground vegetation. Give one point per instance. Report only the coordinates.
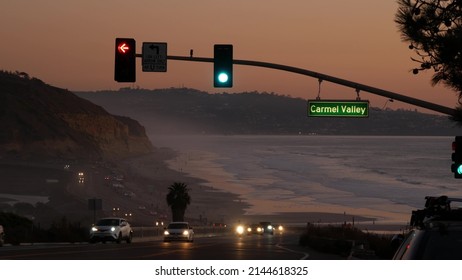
(348, 242)
(22, 230)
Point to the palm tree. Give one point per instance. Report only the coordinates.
(178, 199)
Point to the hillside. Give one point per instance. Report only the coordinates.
(189, 111)
(38, 120)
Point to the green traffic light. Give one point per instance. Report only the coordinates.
(459, 170)
(223, 66)
(223, 77)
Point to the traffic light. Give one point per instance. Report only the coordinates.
(125, 60)
(456, 166)
(223, 66)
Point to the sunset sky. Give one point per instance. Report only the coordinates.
(70, 44)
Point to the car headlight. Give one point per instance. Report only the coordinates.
(94, 229)
(270, 227)
(249, 229)
(280, 228)
(166, 232)
(185, 232)
(240, 229)
(259, 229)
(113, 228)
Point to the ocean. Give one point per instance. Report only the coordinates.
(380, 177)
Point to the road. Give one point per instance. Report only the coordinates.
(266, 247)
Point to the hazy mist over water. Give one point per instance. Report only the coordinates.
(383, 177)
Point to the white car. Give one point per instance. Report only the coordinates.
(111, 229)
(180, 231)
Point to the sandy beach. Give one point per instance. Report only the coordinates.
(216, 195)
(203, 165)
(208, 204)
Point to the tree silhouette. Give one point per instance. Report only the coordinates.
(434, 30)
(178, 199)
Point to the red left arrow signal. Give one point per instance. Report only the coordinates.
(123, 48)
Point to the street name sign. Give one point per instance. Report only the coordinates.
(338, 108)
(154, 57)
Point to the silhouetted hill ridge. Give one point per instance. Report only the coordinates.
(185, 110)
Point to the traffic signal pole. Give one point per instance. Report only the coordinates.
(335, 80)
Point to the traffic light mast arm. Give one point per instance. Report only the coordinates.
(323, 77)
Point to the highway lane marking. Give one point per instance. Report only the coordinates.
(87, 248)
(196, 246)
(178, 250)
(94, 250)
(305, 254)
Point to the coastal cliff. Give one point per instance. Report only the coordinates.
(39, 120)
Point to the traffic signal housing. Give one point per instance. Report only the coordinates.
(125, 60)
(456, 157)
(223, 66)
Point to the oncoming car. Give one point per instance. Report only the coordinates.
(279, 229)
(267, 227)
(240, 230)
(178, 231)
(254, 229)
(111, 229)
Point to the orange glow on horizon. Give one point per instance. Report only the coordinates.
(335, 37)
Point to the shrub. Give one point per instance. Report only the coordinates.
(340, 239)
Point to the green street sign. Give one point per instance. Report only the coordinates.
(338, 108)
